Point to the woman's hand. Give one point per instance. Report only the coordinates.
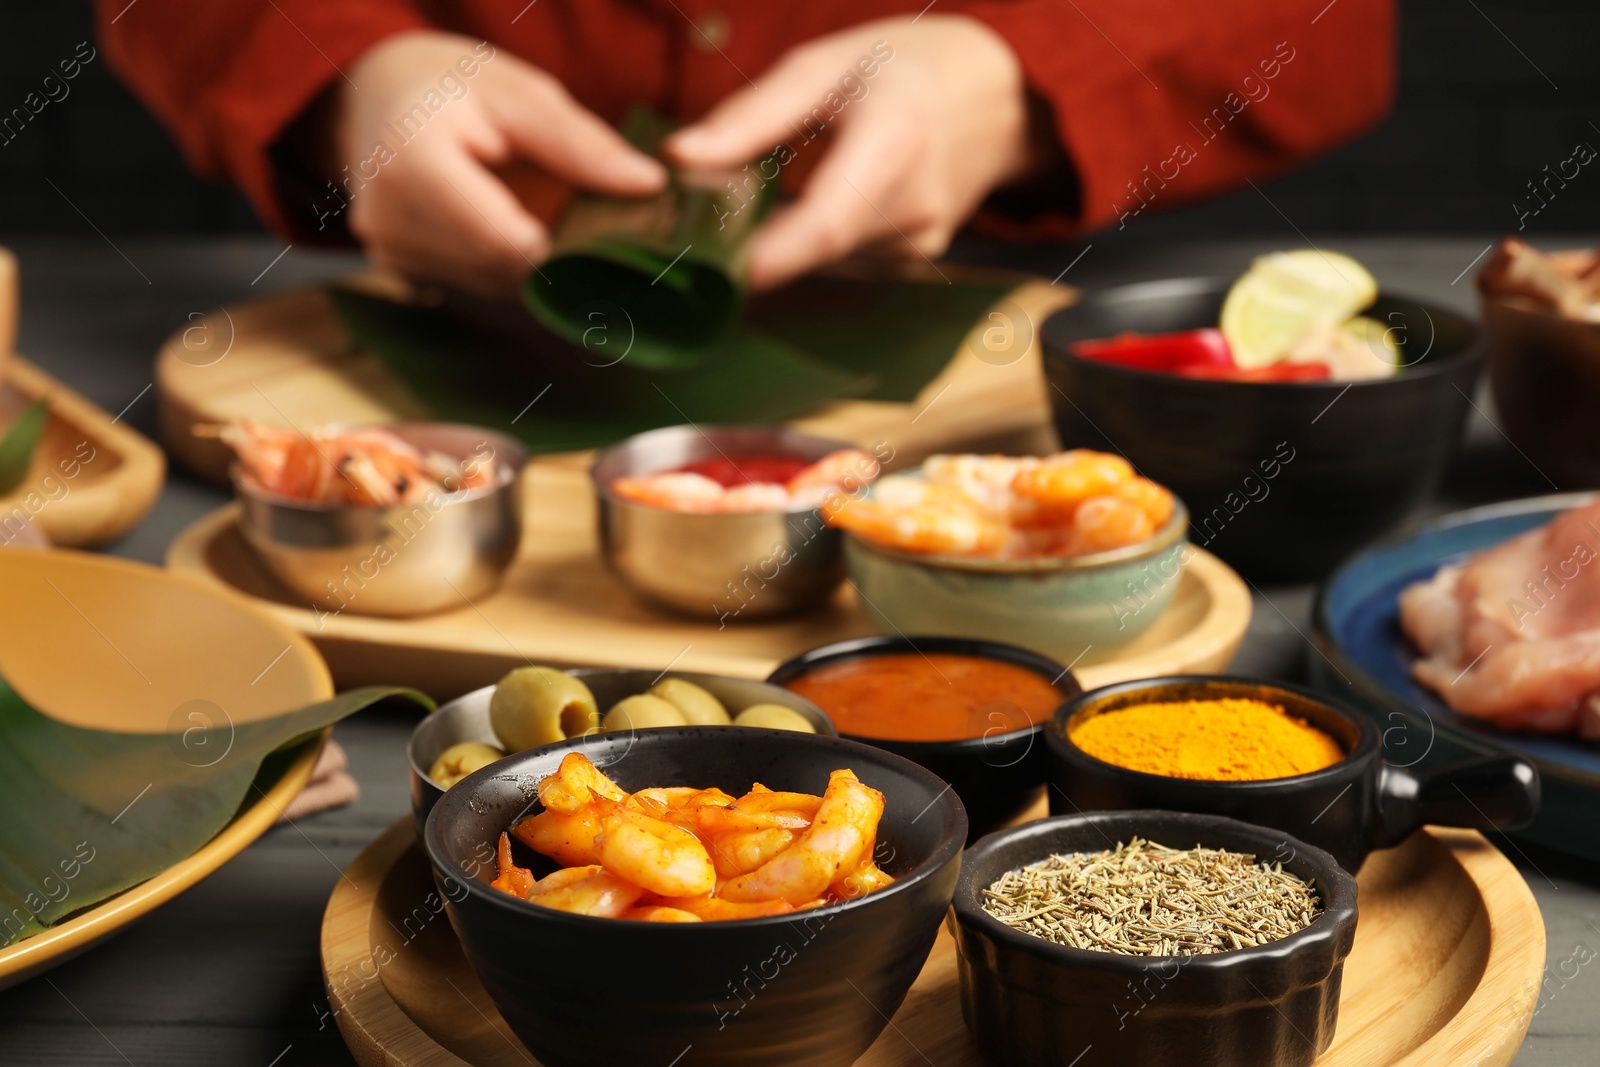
(433, 209)
(919, 143)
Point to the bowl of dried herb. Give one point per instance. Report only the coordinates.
(1151, 937)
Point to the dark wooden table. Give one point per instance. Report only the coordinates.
(228, 972)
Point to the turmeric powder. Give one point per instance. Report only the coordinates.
(1227, 740)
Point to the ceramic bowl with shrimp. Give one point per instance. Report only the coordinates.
(399, 520)
(813, 986)
(1058, 606)
(722, 522)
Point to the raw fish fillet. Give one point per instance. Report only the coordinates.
(1512, 634)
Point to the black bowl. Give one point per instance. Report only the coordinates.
(1282, 479)
(1358, 804)
(813, 987)
(998, 775)
(1032, 1003)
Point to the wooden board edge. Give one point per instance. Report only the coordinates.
(1490, 1027)
(344, 941)
(108, 507)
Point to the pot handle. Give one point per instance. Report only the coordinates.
(1490, 793)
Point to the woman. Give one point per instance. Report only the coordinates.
(407, 124)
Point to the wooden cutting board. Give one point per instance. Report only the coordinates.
(92, 477)
(1445, 972)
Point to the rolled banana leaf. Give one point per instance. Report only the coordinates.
(90, 813)
(17, 444)
(667, 266)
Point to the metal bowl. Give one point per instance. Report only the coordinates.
(407, 560)
(466, 718)
(725, 567)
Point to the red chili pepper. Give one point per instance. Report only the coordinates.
(1275, 372)
(1160, 351)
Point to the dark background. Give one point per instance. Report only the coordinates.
(1490, 92)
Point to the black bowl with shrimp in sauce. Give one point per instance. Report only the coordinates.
(811, 982)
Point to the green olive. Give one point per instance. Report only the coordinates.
(642, 712)
(774, 717)
(699, 707)
(535, 706)
(458, 761)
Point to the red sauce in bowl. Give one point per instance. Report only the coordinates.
(936, 697)
(729, 471)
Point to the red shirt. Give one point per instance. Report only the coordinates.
(1155, 101)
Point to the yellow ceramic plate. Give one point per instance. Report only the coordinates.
(117, 645)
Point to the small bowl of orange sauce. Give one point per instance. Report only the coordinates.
(973, 712)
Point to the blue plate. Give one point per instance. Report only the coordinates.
(1362, 653)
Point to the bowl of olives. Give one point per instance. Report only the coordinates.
(536, 706)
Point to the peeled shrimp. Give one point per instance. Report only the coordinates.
(656, 855)
(518, 881)
(572, 839)
(920, 517)
(843, 832)
(675, 491)
(656, 913)
(986, 479)
(861, 881)
(1052, 491)
(740, 853)
(715, 909)
(575, 785)
(586, 891)
(847, 470)
(1104, 522)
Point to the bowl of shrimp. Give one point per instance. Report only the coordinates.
(719, 896)
(1052, 553)
(396, 520)
(723, 522)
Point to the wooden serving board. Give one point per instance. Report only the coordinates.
(559, 605)
(91, 478)
(1446, 968)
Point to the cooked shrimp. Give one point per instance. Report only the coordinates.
(594, 891)
(518, 881)
(1051, 492)
(1152, 499)
(741, 853)
(929, 518)
(570, 838)
(986, 479)
(760, 798)
(861, 881)
(649, 852)
(846, 470)
(1103, 522)
(656, 913)
(715, 909)
(575, 784)
(754, 496)
(715, 820)
(674, 491)
(842, 833)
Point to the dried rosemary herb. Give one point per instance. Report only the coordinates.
(1145, 899)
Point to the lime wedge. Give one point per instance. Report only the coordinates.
(1285, 295)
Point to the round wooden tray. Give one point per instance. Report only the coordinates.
(1445, 971)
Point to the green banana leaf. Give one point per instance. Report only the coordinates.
(16, 446)
(90, 813)
(822, 338)
(670, 264)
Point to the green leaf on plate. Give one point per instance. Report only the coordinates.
(90, 813)
(17, 444)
